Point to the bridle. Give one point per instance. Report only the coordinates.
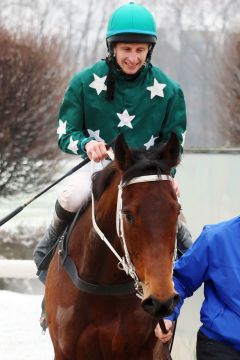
(125, 262)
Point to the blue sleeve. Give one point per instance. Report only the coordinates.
(191, 270)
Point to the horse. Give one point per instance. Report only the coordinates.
(92, 309)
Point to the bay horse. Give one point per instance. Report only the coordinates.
(92, 309)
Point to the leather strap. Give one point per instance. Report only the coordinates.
(165, 346)
(109, 290)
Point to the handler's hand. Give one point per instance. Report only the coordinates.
(96, 150)
(164, 337)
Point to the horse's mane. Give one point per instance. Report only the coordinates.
(102, 179)
(144, 163)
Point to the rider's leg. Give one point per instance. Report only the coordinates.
(184, 237)
(61, 218)
(72, 197)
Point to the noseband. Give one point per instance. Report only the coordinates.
(125, 262)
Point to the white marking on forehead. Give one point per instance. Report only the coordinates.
(63, 317)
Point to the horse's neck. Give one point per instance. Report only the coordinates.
(97, 263)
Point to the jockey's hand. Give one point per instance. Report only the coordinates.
(96, 150)
(164, 337)
(176, 187)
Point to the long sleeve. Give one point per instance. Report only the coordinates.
(71, 132)
(175, 118)
(191, 270)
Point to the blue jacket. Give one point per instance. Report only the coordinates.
(214, 259)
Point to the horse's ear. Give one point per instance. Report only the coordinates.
(171, 151)
(123, 155)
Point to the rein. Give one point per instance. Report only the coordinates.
(166, 349)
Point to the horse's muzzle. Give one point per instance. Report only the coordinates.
(157, 308)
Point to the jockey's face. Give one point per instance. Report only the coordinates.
(131, 57)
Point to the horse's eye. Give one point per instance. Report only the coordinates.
(128, 216)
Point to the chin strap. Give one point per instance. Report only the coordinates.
(110, 81)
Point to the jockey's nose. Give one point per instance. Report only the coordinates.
(157, 308)
(132, 57)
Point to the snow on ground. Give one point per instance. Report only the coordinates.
(20, 333)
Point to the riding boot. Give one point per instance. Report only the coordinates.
(43, 317)
(61, 218)
(184, 238)
(48, 241)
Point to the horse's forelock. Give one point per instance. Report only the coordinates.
(153, 161)
(150, 162)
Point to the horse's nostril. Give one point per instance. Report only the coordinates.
(156, 308)
(148, 304)
(176, 299)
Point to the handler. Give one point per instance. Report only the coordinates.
(213, 260)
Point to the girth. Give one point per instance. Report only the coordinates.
(122, 289)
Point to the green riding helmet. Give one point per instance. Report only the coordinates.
(131, 23)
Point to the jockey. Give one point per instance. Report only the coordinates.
(123, 93)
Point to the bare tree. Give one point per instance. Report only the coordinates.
(228, 90)
(33, 77)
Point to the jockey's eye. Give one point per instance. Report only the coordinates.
(128, 216)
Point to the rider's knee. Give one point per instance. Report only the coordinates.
(74, 195)
(70, 201)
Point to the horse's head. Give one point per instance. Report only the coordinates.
(150, 211)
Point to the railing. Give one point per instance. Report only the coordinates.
(17, 269)
(201, 150)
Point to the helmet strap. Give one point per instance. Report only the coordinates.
(110, 81)
(149, 54)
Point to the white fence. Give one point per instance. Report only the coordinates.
(17, 269)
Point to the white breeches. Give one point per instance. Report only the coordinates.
(77, 188)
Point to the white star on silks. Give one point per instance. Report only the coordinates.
(98, 83)
(61, 130)
(156, 89)
(150, 142)
(183, 137)
(73, 145)
(125, 119)
(95, 134)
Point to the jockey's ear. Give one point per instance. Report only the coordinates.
(171, 151)
(123, 155)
